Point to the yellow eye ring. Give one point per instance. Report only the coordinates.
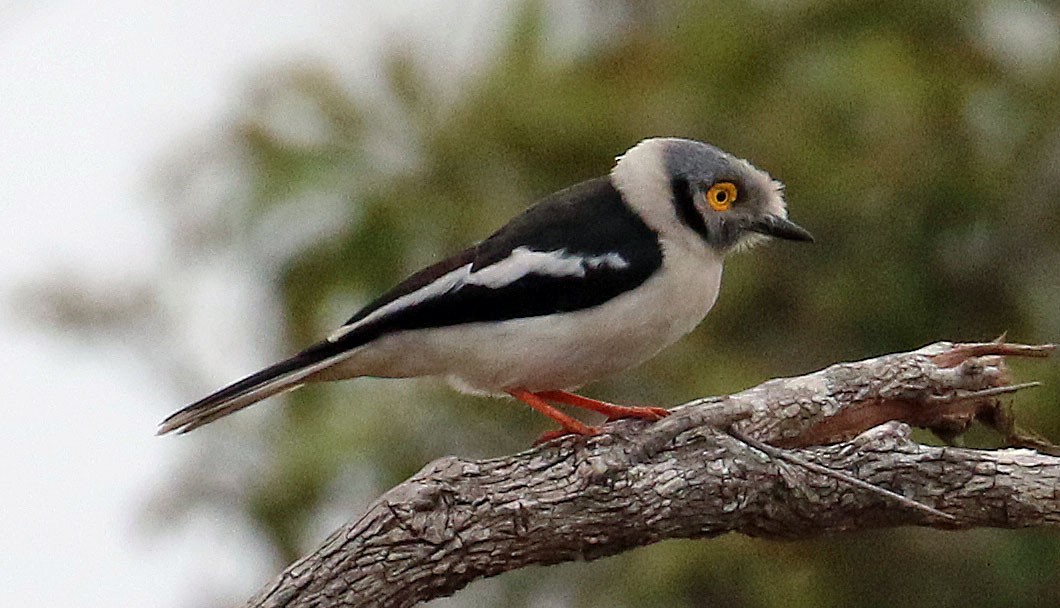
(721, 196)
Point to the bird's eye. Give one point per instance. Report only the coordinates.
(721, 196)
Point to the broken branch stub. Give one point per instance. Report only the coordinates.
(942, 387)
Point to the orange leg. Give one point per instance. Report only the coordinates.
(570, 425)
(612, 411)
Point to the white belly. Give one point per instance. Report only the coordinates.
(561, 351)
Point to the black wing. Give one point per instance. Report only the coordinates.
(588, 220)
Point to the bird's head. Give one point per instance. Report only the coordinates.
(681, 185)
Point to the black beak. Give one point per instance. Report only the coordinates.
(782, 228)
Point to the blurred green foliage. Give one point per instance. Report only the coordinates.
(919, 141)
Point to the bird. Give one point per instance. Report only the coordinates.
(589, 281)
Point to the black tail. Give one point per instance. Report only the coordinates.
(284, 376)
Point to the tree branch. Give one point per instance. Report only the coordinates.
(698, 474)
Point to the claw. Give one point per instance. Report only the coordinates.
(556, 434)
(643, 413)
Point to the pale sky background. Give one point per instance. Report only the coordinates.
(94, 98)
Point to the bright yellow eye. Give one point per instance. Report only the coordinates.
(721, 196)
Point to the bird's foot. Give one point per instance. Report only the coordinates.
(573, 426)
(612, 411)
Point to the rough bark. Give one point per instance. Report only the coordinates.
(692, 476)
